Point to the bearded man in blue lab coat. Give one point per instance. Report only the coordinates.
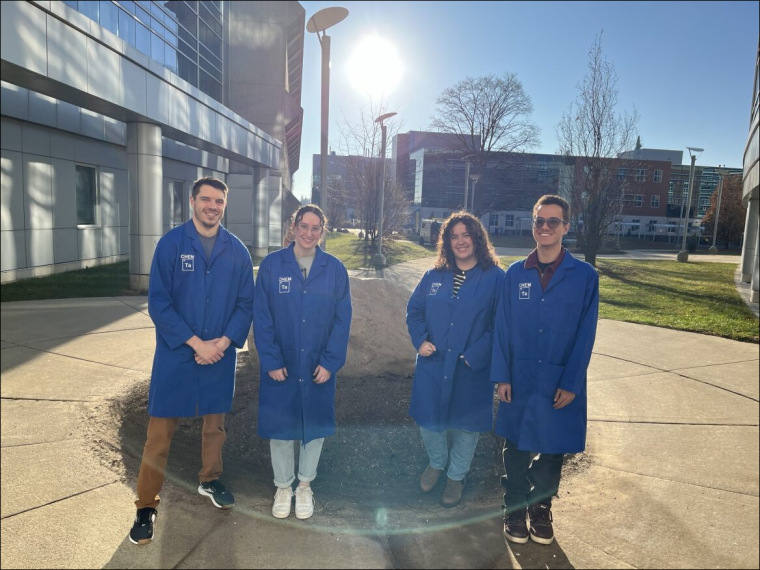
(200, 298)
(544, 333)
(450, 317)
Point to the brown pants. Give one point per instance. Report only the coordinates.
(156, 454)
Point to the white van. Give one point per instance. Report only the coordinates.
(425, 231)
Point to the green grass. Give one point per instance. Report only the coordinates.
(693, 297)
(356, 253)
(100, 281)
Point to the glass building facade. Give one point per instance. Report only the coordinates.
(185, 37)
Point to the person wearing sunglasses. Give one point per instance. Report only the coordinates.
(450, 320)
(544, 333)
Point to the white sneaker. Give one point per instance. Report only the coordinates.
(304, 502)
(282, 502)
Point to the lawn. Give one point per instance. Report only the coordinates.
(695, 297)
(100, 281)
(356, 253)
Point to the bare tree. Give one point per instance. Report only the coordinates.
(732, 213)
(595, 134)
(360, 142)
(336, 200)
(490, 117)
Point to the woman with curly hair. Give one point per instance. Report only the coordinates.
(450, 317)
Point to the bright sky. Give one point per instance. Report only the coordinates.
(688, 67)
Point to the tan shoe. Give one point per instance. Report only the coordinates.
(452, 494)
(429, 479)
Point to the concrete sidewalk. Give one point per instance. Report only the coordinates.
(670, 477)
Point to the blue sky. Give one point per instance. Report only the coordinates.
(688, 67)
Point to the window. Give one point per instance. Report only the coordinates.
(641, 174)
(87, 195)
(178, 203)
(655, 200)
(109, 16)
(493, 220)
(509, 220)
(658, 175)
(638, 200)
(622, 172)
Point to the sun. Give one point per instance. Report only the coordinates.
(375, 68)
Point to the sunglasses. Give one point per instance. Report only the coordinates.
(553, 223)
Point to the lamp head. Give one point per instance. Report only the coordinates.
(694, 150)
(381, 118)
(326, 18)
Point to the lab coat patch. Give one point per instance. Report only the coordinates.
(285, 284)
(434, 288)
(524, 290)
(188, 262)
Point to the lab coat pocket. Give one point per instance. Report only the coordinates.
(549, 376)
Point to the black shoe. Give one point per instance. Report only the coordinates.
(218, 494)
(516, 527)
(541, 523)
(142, 530)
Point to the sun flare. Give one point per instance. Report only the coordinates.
(375, 68)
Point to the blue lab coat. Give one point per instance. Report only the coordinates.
(543, 341)
(299, 324)
(447, 393)
(188, 295)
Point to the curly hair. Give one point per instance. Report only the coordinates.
(484, 251)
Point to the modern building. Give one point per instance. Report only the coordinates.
(347, 178)
(111, 109)
(750, 266)
(404, 145)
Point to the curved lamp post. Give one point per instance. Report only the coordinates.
(683, 255)
(320, 22)
(379, 259)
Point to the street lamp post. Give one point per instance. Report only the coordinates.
(722, 172)
(466, 183)
(683, 255)
(474, 178)
(320, 22)
(379, 259)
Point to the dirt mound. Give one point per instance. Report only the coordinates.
(379, 342)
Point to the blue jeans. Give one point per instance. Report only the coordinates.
(283, 461)
(462, 450)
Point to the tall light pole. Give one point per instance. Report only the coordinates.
(467, 177)
(683, 255)
(474, 178)
(723, 172)
(320, 22)
(379, 259)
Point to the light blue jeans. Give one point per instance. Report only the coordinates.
(283, 461)
(462, 450)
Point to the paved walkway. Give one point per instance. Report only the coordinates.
(671, 478)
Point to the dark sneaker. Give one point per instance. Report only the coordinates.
(142, 529)
(218, 494)
(516, 527)
(429, 478)
(452, 494)
(541, 523)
